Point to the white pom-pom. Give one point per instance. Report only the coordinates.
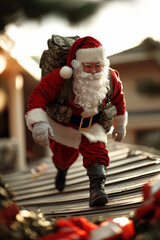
(66, 72)
(75, 64)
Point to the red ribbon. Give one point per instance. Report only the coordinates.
(71, 229)
(150, 210)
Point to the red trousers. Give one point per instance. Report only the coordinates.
(64, 157)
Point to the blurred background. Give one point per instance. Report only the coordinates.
(128, 29)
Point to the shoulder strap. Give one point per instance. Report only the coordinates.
(110, 91)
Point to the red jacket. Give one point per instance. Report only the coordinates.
(50, 86)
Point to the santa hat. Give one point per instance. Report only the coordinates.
(86, 49)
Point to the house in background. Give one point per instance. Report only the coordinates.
(139, 69)
(18, 76)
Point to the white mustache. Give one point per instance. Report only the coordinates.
(91, 76)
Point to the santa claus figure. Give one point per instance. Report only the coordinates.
(81, 88)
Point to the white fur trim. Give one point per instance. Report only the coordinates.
(35, 115)
(120, 120)
(75, 64)
(66, 72)
(91, 54)
(95, 133)
(71, 137)
(67, 136)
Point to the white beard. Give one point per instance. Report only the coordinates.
(90, 89)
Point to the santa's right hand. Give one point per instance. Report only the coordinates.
(41, 132)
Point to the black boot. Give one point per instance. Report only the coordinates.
(60, 179)
(97, 176)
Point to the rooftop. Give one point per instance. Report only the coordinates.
(147, 49)
(129, 169)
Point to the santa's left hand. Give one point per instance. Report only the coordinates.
(119, 133)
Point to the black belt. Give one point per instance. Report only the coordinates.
(84, 122)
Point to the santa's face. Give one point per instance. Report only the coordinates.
(92, 67)
(90, 86)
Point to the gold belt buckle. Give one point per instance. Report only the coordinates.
(90, 122)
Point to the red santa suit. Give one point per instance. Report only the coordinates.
(70, 141)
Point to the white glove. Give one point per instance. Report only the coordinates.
(41, 132)
(119, 133)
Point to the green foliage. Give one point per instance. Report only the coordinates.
(6, 194)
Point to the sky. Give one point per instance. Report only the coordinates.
(119, 25)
